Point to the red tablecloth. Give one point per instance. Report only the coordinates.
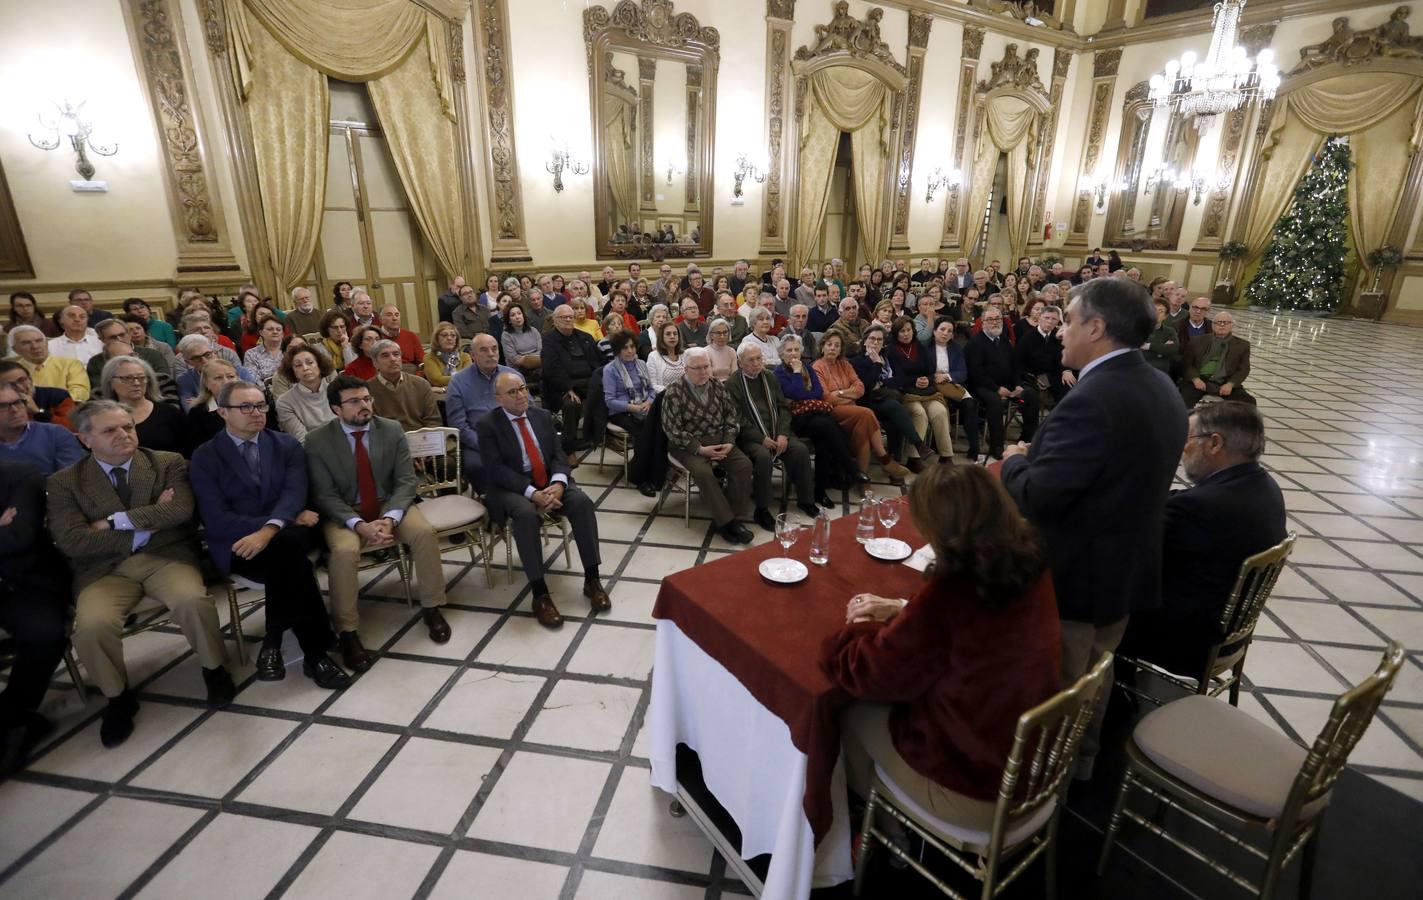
(769, 635)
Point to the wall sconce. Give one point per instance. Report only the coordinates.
(1091, 184)
(745, 168)
(563, 160)
(673, 168)
(69, 122)
(939, 178)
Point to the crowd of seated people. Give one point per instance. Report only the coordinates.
(728, 373)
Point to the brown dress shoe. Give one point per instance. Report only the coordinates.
(544, 610)
(435, 622)
(355, 656)
(597, 597)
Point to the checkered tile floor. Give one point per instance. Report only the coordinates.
(511, 762)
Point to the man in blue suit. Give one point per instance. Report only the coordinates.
(250, 487)
(1095, 480)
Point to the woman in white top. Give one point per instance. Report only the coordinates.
(723, 357)
(264, 358)
(303, 406)
(665, 363)
(761, 336)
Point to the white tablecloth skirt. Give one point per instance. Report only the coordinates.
(748, 763)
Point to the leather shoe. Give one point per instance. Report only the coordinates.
(573, 461)
(598, 598)
(825, 501)
(647, 490)
(735, 533)
(326, 673)
(270, 666)
(810, 509)
(914, 464)
(221, 690)
(762, 516)
(356, 657)
(544, 610)
(117, 722)
(438, 627)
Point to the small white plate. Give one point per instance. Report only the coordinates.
(783, 571)
(888, 548)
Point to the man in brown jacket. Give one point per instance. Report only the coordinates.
(124, 518)
(1216, 364)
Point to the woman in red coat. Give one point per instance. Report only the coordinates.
(943, 676)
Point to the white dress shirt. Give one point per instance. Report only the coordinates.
(395, 515)
(120, 519)
(524, 452)
(82, 350)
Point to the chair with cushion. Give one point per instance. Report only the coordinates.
(444, 499)
(1250, 785)
(1225, 661)
(1030, 800)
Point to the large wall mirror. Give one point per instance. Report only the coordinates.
(653, 81)
(1156, 155)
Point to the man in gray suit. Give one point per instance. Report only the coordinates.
(363, 485)
(124, 518)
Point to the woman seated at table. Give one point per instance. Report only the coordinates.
(812, 419)
(658, 316)
(914, 377)
(444, 358)
(841, 387)
(719, 349)
(943, 676)
(883, 398)
(762, 320)
(364, 340)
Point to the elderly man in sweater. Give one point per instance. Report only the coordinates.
(766, 436)
(702, 425)
(408, 399)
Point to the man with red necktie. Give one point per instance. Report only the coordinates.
(363, 485)
(528, 477)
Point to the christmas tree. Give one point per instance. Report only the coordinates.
(1303, 266)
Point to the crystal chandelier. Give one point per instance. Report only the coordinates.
(1224, 80)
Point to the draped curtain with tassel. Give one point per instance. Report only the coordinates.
(282, 53)
(620, 153)
(843, 99)
(1382, 113)
(1011, 127)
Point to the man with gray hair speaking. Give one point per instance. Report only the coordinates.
(1094, 481)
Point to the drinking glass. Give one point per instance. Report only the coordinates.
(787, 531)
(865, 525)
(888, 512)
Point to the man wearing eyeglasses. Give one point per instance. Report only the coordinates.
(45, 404)
(363, 484)
(196, 351)
(47, 370)
(1197, 321)
(44, 445)
(123, 517)
(250, 487)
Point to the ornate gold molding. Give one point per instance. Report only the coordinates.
(1253, 39)
(646, 80)
(780, 9)
(1348, 47)
(506, 214)
(1061, 61)
(919, 26)
(653, 21)
(694, 102)
(778, 32)
(847, 34)
(456, 42)
(1015, 72)
(156, 29)
(972, 42)
(1106, 62)
(968, 75)
(1096, 134)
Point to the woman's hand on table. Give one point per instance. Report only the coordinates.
(872, 608)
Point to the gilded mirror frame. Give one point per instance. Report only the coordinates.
(1168, 203)
(651, 30)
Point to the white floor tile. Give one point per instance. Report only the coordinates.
(615, 651)
(1383, 557)
(607, 886)
(585, 716)
(1272, 664)
(82, 756)
(1402, 625)
(320, 769)
(521, 641)
(1326, 621)
(358, 865)
(395, 695)
(541, 801)
(486, 703)
(105, 852)
(466, 630)
(657, 562)
(233, 856)
(632, 602)
(639, 828)
(1358, 587)
(428, 786)
(218, 754)
(45, 809)
(487, 877)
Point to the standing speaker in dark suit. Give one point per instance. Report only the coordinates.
(1232, 511)
(527, 477)
(250, 487)
(1095, 480)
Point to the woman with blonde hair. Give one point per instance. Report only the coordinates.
(719, 349)
(584, 322)
(444, 358)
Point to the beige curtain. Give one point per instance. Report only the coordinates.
(819, 139)
(1381, 112)
(1011, 127)
(288, 105)
(852, 100)
(425, 147)
(619, 153)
